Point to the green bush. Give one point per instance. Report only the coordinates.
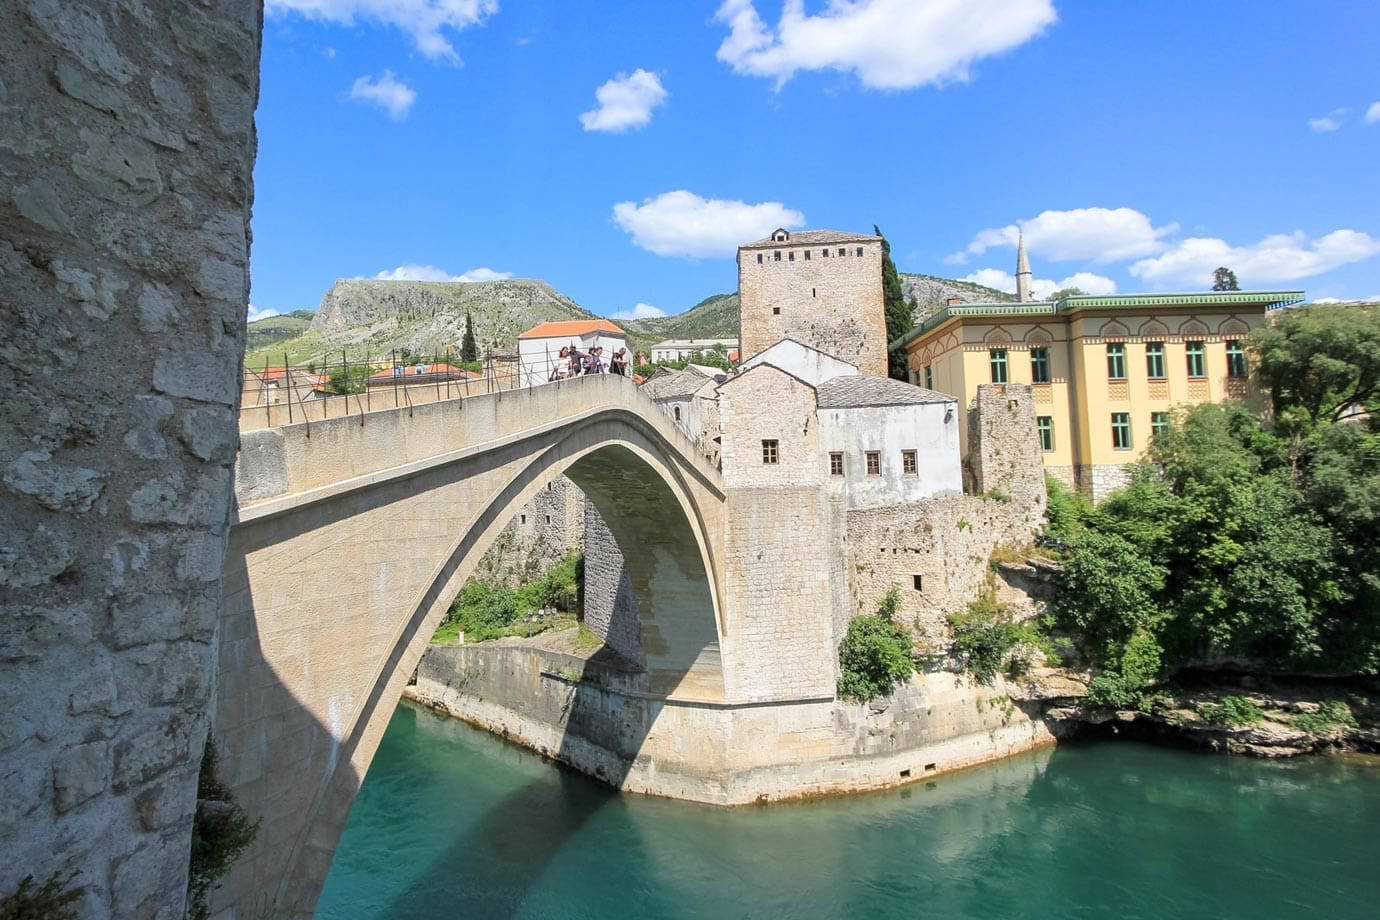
(1233, 711)
(1330, 715)
(989, 640)
(221, 831)
(1065, 511)
(874, 656)
(891, 603)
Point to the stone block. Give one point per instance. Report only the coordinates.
(80, 773)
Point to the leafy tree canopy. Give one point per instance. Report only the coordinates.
(1224, 279)
(900, 313)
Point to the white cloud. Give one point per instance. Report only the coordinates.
(1373, 113)
(1281, 257)
(424, 20)
(1328, 123)
(256, 313)
(641, 311)
(889, 44)
(625, 102)
(682, 223)
(1040, 288)
(387, 92)
(1327, 300)
(1099, 234)
(413, 272)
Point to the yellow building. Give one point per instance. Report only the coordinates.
(1106, 371)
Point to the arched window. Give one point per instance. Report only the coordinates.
(676, 412)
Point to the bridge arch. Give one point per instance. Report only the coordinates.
(377, 559)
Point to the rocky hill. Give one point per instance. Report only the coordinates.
(369, 319)
(932, 294)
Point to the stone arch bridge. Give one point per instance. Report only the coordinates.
(352, 536)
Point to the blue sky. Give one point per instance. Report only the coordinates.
(620, 151)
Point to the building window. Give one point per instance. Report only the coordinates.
(1116, 361)
(859, 252)
(929, 377)
(997, 358)
(812, 292)
(548, 519)
(1045, 425)
(770, 452)
(1197, 361)
(874, 463)
(1039, 365)
(908, 465)
(775, 311)
(1159, 422)
(836, 463)
(523, 519)
(1236, 359)
(776, 257)
(1154, 360)
(790, 257)
(1121, 430)
(807, 255)
(676, 411)
(842, 251)
(918, 581)
(759, 258)
(824, 253)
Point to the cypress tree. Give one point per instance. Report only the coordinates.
(900, 315)
(469, 348)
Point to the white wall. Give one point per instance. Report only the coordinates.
(890, 430)
(809, 364)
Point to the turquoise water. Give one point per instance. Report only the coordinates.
(453, 823)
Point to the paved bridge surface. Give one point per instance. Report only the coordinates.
(353, 536)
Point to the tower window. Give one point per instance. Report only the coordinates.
(908, 464)
(522, 519)
(775, 311)
(824, 253)
(859, 251)
(918, 581)
(770, 451)
(676, 410)
(1197, 361)
(807, 255)
(997, 358)
(790, 257)
(759, 258)
(776, 256)
(874, 463)
(1236, 359)
(812, 292)
(842, 251)
(548, 519)
(836, 463)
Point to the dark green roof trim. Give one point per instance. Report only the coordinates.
(1270, 300)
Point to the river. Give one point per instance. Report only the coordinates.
(454, 823)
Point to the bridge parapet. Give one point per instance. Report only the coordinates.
(346, 452)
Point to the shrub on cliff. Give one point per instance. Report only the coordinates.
(874, 656)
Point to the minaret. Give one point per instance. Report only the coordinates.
(1022, 272)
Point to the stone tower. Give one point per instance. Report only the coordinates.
(821, 288)
(1023, 273)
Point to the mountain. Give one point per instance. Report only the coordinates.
(932, 294)
(369, 319)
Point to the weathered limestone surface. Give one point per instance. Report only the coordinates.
(126, 154)
(598, 720)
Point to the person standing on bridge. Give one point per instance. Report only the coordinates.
(578, 360)
(561, 368)
(618, 364)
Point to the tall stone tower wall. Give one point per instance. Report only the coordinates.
(127, 158)
(1004, 445)
(833, 303)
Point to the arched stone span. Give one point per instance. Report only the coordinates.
(333, 589)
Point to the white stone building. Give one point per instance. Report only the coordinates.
(539, 348)
(680, 349)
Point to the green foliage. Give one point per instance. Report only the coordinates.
(900, 312)
(53, 900)
(711, 358)
(1065, 510)
(469, 346)
(1067, 292)
(991, 641)
(1231, 711)
(488, 611)
(221, 831)
(1331, 714)
(891, 603)
(1224, 279)
(874, 656)
(1319, 362)
(348, 378)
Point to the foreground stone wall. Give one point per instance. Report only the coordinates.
(126, 154)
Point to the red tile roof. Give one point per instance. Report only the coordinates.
(570, 327)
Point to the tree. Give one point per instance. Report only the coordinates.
(469, 348)
(1067, 292)
(1322, 359)
(900, 315)
(1224, 279)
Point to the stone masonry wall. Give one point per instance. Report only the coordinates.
(610, 606)
(834, 304)
(1003, 444)
(126, 150)
(538, 536)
